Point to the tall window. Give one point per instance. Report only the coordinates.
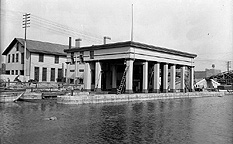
(52, 77)
(17, 46)
(81, 57)
(16, 72)
(60, 74)
(72, 58)
(22, 58)
(41, 57)
(56, 59)
(9, 58)
(17, 57)
(13, 57)
(12, 72)
(37, 73)
(44, 74)
(91, 54)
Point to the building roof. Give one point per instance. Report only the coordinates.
(132, 44)
(39, 47)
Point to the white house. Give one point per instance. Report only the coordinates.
(44, 61)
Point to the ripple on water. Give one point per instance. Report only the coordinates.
(197, 120)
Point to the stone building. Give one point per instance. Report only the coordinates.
(130, 66)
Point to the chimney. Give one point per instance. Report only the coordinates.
(70, 42)
(105, 38)
(77, 43)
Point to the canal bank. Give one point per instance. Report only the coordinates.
(85, 98)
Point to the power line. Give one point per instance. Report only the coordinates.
(52, 26)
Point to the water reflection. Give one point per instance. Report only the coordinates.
(198, 120)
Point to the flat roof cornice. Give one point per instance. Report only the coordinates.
(132, 44)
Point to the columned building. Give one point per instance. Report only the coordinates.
(133, 67)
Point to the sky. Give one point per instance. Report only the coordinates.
(202, 27)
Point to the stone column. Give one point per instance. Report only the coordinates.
(87, 77)
(173, 78)
(191, 74)
(98, 76)
(145, 77)
(68, 73)
(114, 78)
(76, 70)
(182, 79)
(165, 78)
(156, 88)
(129, 77)
(76, 67)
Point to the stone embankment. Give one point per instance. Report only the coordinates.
(85, 98)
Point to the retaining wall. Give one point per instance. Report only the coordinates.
(113, 98)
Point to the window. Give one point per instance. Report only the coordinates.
(12, 72)
(52, 77)
(17, 57)
(9, 58)
(41, 57)
(44, 74)
(91, 54)
(71, 70)
(7, 72)
(81, 56)
(56, 59)
(59, 75)
(72, 58)
(13, 57)
(16, 72)
(22, 58)
(36, 73)
(80, 81)
(21, 72)
(81, 70)
(17, 46)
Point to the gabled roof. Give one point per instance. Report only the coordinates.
(133, 44)
(39, 47)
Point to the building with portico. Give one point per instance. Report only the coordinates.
(130, 66)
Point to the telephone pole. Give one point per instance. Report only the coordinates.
(26, 22)
(228, 66)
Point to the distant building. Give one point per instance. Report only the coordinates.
(211, 72)
(207, 73)
(44, 61)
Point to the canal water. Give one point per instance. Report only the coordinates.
(188, 121)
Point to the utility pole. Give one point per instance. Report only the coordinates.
(228, 66)
(26, 22)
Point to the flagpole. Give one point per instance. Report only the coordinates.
(132, 25)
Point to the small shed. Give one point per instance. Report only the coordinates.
(206, 84)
